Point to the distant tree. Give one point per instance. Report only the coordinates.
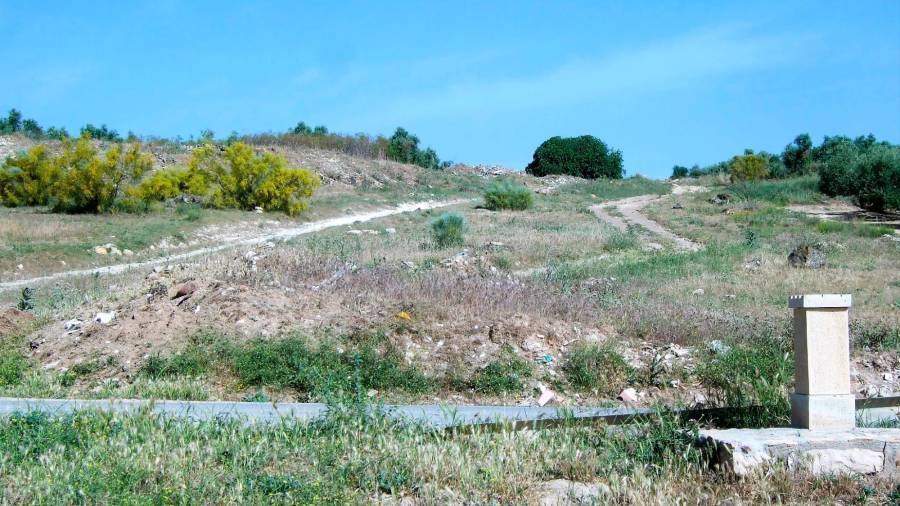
(132, 137)
(207, 136)
(100, 133)
(585, 156)
(797, 156)
(57, 133)
(403, 146)
(320, 130)
(301, 129)
(679, 171)
(31, 128)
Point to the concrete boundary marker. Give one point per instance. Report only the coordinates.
(434, 415)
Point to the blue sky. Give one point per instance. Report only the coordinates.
(481, 82)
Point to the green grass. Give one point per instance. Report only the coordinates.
(800, 190)
(600, 369)
(754, 374)
(324, 371)
(448, 230)
(502, 376)
(847, 227)
(612, 189)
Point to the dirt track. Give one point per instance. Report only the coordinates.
(630, 208)
(281, 234)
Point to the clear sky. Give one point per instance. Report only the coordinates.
(479, 81)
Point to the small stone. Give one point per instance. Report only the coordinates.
(355, 232)
(390, 230)
(127, 252)
(699, 291)
(105, 318)
(73, 324)
(628, 395)
(20, 267)
(887, 376)
(547, 395)
(258, 210)
(100, 250)
(699, 399)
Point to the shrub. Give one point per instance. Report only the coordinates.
(872, 178)
(598, 368)
(170, 183)
(26, 178)
(508, 195)
(404, 147)
(12, 367)
(585, 156)
(780, 191)
(749, 167)
(503, 375)
(679, 171)
(752, 377)
(878, 180)
(448, 229)
(193, 361)
(90, 183)
(324, 371)
(244, 180)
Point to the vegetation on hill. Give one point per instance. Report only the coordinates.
(82, 180)
(864, 168)
(508, 195)
(585, 156)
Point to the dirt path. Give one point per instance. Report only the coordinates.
(630, 209)
(282, 234)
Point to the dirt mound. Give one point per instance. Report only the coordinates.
(12, 321)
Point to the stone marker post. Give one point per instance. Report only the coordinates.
(822, 398)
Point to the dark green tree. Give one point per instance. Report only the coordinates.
(585, 156)
(797, 156)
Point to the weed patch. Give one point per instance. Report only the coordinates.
(504, 375)
(597, 368)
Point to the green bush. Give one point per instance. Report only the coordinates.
(872, 179)
(878, 180)
(324, 370)
(504, 375)
(404, 147)
(753, 377)
(508, 195)
(779, 191)
(448, 229)
(12, 367)
(193, 361)
(244, 180)
(598, 368)
(585, 156)
(679, 171)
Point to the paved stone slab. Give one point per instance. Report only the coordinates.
(855, 451)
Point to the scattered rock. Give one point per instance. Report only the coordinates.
(653, 246)
(72, 325)
(127, 252)
(699, 291)
(100, 250)
(547, 395)
(678, 206)
(806, 256)
(105, 318)
(390, 230)
(699, 399)
(887, 377)
(258, 210)
(566, 492)
(354, 232)
(628, 395)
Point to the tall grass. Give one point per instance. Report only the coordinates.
(611, 189)
(799, 190)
